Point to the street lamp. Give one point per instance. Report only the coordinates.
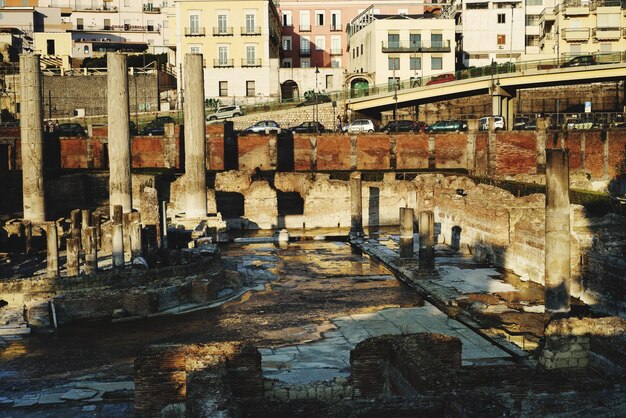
(511, 46)
(317, 114)
(395, 97)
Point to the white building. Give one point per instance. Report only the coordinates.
(402, 47)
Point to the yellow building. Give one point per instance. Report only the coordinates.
(55, 49)
(240, 43)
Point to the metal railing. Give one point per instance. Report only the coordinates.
(195, 31)
(423, 46)
(223, 63)
(305, 28)
(223, 31)
(250, 31)
(336, 51)
(251, 62)
(575, 34)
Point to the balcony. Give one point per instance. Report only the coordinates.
(250, 30)
(195, 31)
(335, 28)
(607, 34)
(253, 62)
(223, 31)
(305, 28)
(336, 51)
(305, 52)
(406, 46)
(575, 7)
(223, 63)
(117, 28)
(148, 8)
(575, 34)
(606, 3)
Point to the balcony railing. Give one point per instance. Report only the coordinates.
(193, 31)
(336, 51)
(575, 34)
(335, 28)
(305, 28)
(223, 63)
(575, 7)
(253, 62)
(223, 31)
(606, 3)
(407, 46)
(607, 33)
(305, 52)
(250, 31)
(118, 28)
(148, 8)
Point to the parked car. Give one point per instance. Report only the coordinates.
(400, 126)
(321, 98)
(580, 124)
(519, 122)
(447, 126)
(498, 123)
(441, 78)
(225, 113)
(581, 60)
(308, 127)
(531, 125)
(132, 128)
(263, 126)
(359, 125)
(157, 125)
(71, 129)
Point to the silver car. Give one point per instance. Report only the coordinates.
(225, 113)
(359, 125)
(262, 127)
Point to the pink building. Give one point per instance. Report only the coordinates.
(314, 31)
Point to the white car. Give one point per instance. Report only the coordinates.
(225, 113)
(359, 125)
(498, 123)
(262, 127)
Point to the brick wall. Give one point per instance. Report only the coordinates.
(411, 151)
(451, 151)
(372, 152)
(516, 153)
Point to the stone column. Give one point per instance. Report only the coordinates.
(120, 188)
(135, 240)
(164, 224)
(542, 135)
(52, 266)
(28, 235)
(356, 205)
(406, 232)
(117, 246)
(557, 237)
(91, 251)
(426, 240)
(31, 131)
(96, 222)
(86, 223)
(72, 251)
(195, 138)
(75, 224)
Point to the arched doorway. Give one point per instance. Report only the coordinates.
(289, 91)
(359, 87)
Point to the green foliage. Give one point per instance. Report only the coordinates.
(309, 95)
(212, 103)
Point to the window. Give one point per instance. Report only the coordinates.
(320, 43)
(286, 63)
(436, 40)
(50, 47)
(305, 20)
(107, 24)
(194, 24)
(126, 3)
(329, 81)
(534, 2)
(222, 23)
(393, 82)
(150, 25)
(393, 40)
(223, 88)
(79, 23)
(403, 12)
(532, 20)
(335, 20)
(415, 40)
(436, 63)
(286, 43)
(361, 49)
(608, 20)
(250, 88)
(319, 18)
(501, 39)
(222, 55)
(335, 44)
(305, 62)
(250, 54)
(393, 63)
(501, 18)
(250, 18)
(415, 63)
(305, 44)
(194, 49)
(335, 62)
(287, 18)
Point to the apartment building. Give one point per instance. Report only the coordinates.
(488, 30)
(579, 27)
(314, 31)
(240, 43)
(388, 48)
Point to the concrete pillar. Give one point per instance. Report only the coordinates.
(541, 135)
(496, 104)
(557, 237)
(91, 250)
(406, 232)
(117, 245)
(52, 253)
(85, 223)
(510, 114)
(31, 131)
(195, 138)
(426, 240)
(356, 205)
(96, 221)
(120, 188)
(75, 224)
(72, 251)
(28, 235)
(135, 240)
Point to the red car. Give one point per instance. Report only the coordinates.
(441, 78)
